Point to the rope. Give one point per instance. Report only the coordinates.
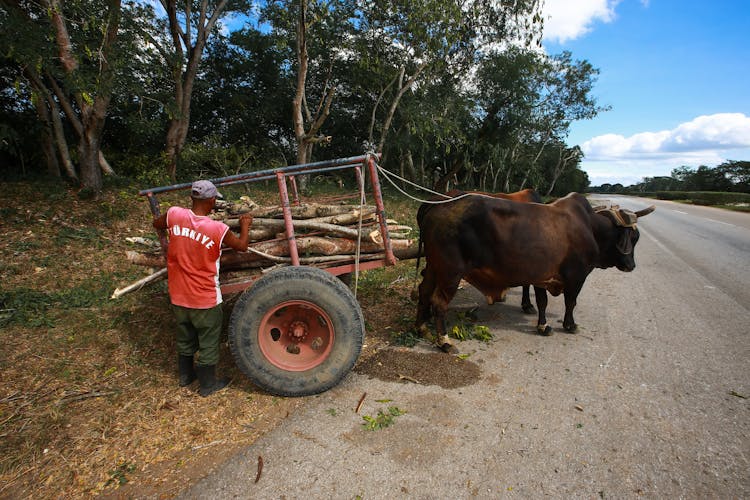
(387, 175)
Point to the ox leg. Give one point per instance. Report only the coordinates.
(571, 295)
(435, 293)
(441, 297)
(526, 300)
(424, 306)
(542, 328)
(434, 297)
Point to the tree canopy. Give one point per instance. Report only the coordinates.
(452, 93)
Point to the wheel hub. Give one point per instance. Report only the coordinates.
(298, 331)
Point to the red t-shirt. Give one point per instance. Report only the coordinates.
(193, 258)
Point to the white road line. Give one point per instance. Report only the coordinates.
(704, 218)
(722, 222)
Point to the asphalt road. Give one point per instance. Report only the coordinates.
(649, 399)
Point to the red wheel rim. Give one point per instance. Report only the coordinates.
(296, 335)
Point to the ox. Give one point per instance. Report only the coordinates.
(527, 195)
(495, 244)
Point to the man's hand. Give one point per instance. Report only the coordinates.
(240, 243)
(245, 221)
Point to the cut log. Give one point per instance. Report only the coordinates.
(307, 210)
(119, 292)
(324, 246)
(278, 226)
(309, 245)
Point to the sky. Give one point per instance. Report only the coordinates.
(676, 74)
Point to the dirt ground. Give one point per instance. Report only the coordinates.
(429, 368)
(89, 403)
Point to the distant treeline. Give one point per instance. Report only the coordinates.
(729, 177)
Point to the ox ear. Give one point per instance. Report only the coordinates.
(645, 211)
(625, 244)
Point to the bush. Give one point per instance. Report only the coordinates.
(702, 197)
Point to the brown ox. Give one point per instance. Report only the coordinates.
(527, 195)
(495, 244)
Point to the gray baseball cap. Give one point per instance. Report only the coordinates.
(203, 190)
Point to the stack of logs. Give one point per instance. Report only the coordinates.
(325, 234)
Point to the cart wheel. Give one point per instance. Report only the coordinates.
(297, 331)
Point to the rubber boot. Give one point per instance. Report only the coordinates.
(209, 382)
(187, 372)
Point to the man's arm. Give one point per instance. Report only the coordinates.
(232, 241)
(161, 221)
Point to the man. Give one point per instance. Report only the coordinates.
(193, 254)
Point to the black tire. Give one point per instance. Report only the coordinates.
(300, 286)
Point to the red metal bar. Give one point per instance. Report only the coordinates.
(241, 285)
(291, 240)
(350, 268)
(380, 210)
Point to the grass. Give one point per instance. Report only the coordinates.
(466, 328)
(382, 419)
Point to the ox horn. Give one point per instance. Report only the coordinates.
(645, 211)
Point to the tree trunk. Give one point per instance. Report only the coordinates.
(175, 141)
(48, 147)
(62, 144)
(91, 174)
(307, 125)
(394, 105)
(410, 166)
(104, 164)
(443, 183)
(179, 125)
(92, 105)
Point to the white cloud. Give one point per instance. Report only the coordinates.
(706, 140)
(565, 20)
(704, 134)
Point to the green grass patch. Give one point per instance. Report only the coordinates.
(406, 338)
(26, 306)
(382, 419)
(467, 329)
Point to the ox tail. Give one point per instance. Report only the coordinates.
(415, 291)
(421, 212)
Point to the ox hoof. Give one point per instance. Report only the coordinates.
(544, 330)
(445, 345)
(571, 328)
(449, 349)
(528, 309)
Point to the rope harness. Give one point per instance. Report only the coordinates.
(620, 216)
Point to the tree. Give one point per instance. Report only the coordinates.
(190, 24)
(316, 35)
(528, 101)
(408, 44)
(738, 173)
(566, 159)
(240, 88)
(73, 76)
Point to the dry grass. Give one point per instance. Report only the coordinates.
(89, 402)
